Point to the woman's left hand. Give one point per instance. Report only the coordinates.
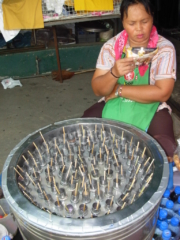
(112, 95)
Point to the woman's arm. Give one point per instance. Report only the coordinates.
(160, 92)
(103, 81)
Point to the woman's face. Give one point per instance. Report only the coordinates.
(138, 24)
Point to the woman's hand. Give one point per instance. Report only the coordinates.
(123, 66)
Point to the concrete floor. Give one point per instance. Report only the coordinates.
(41, 101)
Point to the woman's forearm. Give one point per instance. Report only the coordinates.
(103, 85)
(149, 93)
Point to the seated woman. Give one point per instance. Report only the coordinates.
(137, 95)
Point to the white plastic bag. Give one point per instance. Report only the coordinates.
(10, 83)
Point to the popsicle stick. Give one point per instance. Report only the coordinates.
(58, 201)
(97, 206)
(80, 158)
(122, 135)
(84, 207)
(138, 169)
(95, 128)
(20, 168)
(92, 149)
(67, 209)
(137, 147)
(150, 165)
(111, 201)
(40, 188)
(75, 176)
(124, 204)
(46, 196)
(71, 179)
(143, 152)
(93, 169)
(100, 153)
(137, 159)
(51, 162)
(132, 155)
(30, 179)
(44, 141)
(37, 150)
(111, 132)
(125, 196)
(80, 171)
(146, 161)
(24, 188)
(83, 182)
(34, 173)
(133, 198)
(18, 173)
(25, 159)
(27, 195)
(131, 141)
(83, 167)
(76, 189)
(63, 168)
(89, 178)
(35, 163)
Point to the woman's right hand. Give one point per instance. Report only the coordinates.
(123, 66)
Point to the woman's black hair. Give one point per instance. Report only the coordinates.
(126, 3)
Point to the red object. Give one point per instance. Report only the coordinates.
(129, 77)
(1, 216)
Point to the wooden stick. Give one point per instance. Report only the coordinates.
(63, 168)
(93, 169)
(132, 184)
(94, 160)
(102, 127)
(150, 177)
(84, 207)
(46, 196)
(57, 190)
(104, 141)
(83, 182)
(107, 152)
(68, 170)
(24, 188)
(75, 176)
(117, 178)
(115, 158)
(132, 155)
(80, 171)
(44, 142)
(92, 149)
(131, 141)
(32, 158)
(109, 169)
(20, 168)
(85, 188)
(34, 173)
(137, 159)
(27, 195)
(108, 185)
(83, 167)
(143, 152)
(75, 163)
(58, 200)
(51, 161)
(31, 179)
(111, 201)
(114, 138)
(150, 165)
(18, 173)
(97, 206)
(108, 212)
(95, 128)
(80, 158)
(125, 196)
(71, 179)
(100, 152)
(98, 189)
(76, 189)
(101, 134)
(89, 142)
(37, 150)
(124, 204)
(107, 159)
(67, 209)
(121, 170)
(48, 173)
(137, 169)
(137, 147)
(133, 198)
(89, 178)
(104, 175)
(122, 135)
(63, 131)
(25, 159)
(126, 148)
(111, 132)
(40, 187)
(146, 161)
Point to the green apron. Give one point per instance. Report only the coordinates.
(131, 112)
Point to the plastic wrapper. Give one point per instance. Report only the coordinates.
(141, 55)
(10, 83)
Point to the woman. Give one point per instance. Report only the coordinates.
(137, 95)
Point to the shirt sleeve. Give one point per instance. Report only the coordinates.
(106, 57)
(166, 63)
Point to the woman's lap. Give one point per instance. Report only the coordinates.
(161, 127)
